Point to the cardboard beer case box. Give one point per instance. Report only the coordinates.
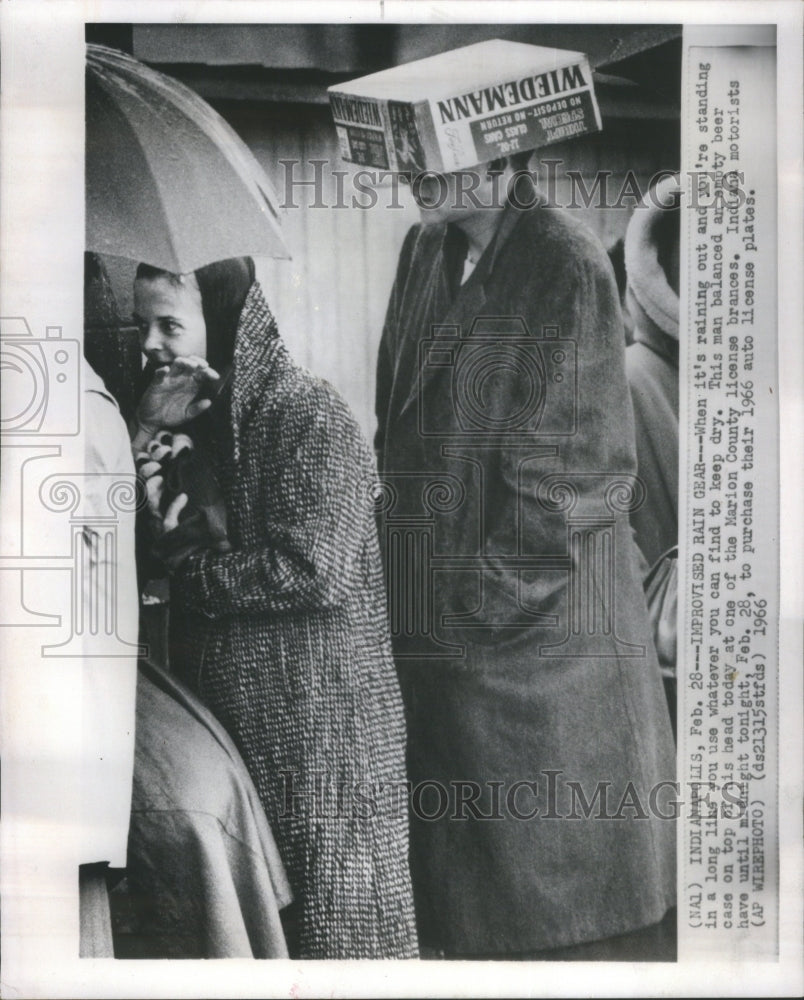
(467, 106)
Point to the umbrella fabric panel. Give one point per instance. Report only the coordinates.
(147, 85)
(120, 193)
(168, 181)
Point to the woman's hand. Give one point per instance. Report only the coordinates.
(171, 398)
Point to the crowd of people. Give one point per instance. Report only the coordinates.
(460, 614)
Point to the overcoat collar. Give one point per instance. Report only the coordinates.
(472, 295)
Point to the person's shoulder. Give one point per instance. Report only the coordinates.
(308, 400)
(645, 365)
(195, 768)
(559, 235)
(107, 447)
(638, 358)
(418, 240)
(323, 399)
(420, 235)
(421, 240)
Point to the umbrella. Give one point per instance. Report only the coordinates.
(168, 181)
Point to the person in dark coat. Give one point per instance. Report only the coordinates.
(285, 636)
(651, 260)
(506, 449)
(651, 364)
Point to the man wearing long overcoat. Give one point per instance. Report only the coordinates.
(540, 751)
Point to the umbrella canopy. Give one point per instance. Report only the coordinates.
(168, 182)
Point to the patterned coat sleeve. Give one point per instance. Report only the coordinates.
(314, 530)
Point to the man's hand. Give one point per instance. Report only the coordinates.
(204, 529)
(165, 547)
(171, 398)
(150, 469)
(171, 518)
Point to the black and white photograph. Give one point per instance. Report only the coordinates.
(398, 533)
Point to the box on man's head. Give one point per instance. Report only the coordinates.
(466, 106)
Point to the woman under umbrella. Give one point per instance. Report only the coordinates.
(280, 624)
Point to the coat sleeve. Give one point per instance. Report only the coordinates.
(596, 448)
(389, 344)
(313, 536)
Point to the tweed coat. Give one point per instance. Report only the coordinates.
(518, 620)
(285, 639)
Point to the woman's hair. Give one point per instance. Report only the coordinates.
(148, 273)
(224, 286)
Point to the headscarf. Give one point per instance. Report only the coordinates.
(224, 286)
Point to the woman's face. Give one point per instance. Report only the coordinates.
(170, 318)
